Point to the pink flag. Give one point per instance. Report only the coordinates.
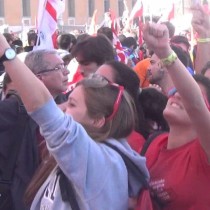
(48, 13)
(137, 10)
(171, 13)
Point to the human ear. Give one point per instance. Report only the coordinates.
(99, 122)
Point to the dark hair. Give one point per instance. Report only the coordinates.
(32, 37)
(125, 76)
(94, 49)
(201, 79)
(82, 37)
(9, 37)
(182, 55)
(180, 39)
(153, 103)
(106, 31)
(129, 41)
(205, 68)
(18, 42)
(64, 41)
(73, 39)
(6, 81)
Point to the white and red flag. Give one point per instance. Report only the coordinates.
(171, 12)
(48, 13)
(137, 10)
(116, 42)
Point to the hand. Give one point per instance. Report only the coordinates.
(156, 37)
(3, 44)
(200, 21)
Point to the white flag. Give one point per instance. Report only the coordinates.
(48, 13)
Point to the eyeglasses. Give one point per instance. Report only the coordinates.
(59, 67)
(119, 96)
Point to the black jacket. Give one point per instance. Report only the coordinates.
(27, 159)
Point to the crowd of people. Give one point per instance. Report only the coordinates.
(81, 129)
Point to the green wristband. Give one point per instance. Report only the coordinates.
(203, 40)
(169, 60)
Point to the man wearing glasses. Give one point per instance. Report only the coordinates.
(50, 69)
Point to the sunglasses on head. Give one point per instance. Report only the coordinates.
(117, 102)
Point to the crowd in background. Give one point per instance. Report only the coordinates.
(87, 107)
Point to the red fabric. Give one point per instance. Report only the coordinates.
(137, 10)
(144, 202)
(180, 177)
(76, 78)
(136, 141)
(171, 13)
(140, 32)
(116, 42)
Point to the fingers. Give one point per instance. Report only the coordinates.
(197, 7)
(155, 30)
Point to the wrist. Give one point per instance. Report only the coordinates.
(164, 53)
(203, 40)
(204, 35)
(169, 60)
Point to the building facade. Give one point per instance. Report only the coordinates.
(77, 12)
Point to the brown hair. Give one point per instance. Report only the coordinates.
(99, 98)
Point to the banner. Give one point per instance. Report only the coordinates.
(48, 13)
(137, 10)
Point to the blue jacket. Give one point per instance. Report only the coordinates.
(98, 172)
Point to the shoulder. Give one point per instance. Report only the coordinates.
(136, 141)
(157, 144)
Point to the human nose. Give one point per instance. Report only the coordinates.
(65, 70)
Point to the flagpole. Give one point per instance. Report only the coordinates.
(41, 21)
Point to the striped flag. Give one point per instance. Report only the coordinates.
(116, 42)
(137, 10)
(48, 13)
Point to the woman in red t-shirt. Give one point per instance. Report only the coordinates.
(179, 162)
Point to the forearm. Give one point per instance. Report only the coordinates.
(186, 86)
(202, 56)
(32, 91)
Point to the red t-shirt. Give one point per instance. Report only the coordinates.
(136, 141)
(180, 177)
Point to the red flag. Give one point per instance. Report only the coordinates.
(116, 42)
(48, 12)
(137, 10)
(171, 13)
(140, 32)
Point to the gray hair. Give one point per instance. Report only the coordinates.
(36, 60)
